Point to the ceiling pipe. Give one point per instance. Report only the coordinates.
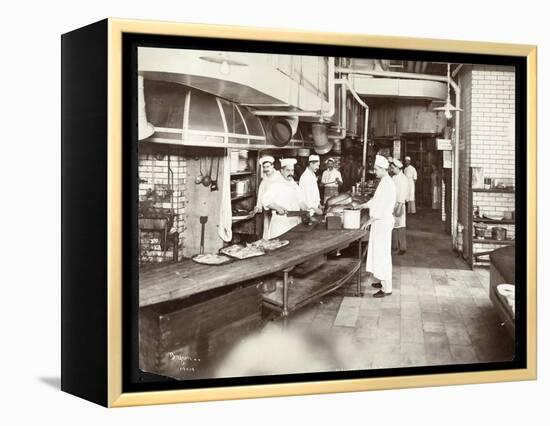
(456, 70)
(345, 82)
(342, 131)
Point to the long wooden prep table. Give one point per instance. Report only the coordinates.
(191, 314)
(181, 280)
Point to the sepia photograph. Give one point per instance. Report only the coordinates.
(310, 214)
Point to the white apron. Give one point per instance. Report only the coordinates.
(309, 189)
(379, 261)
(286, 194)
(401, 192)
(264, 186)
(411, 174)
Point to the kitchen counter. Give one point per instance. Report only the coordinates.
(180, 280)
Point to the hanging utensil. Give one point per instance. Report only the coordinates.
(198, 179)
(203, 220)
(214, 185)
(207, 180)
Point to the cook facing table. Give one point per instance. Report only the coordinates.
(381, 221)
(281, 197)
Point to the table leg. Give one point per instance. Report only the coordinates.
(286, 288)
(360, 255)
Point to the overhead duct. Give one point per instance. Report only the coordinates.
(321, 143)
(280, 130)
(145, 129)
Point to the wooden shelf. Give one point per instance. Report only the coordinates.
(304, 290)
(240, 196)
(491, 241)
(501, 190)
(495, 222)
(243, 173)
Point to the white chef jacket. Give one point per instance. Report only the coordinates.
(411, 174)
(285, 193)
(380, 207)
(329, 177)
(309, 189)
(266, 182)
(401, 193)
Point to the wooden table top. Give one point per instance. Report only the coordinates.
(179, 280)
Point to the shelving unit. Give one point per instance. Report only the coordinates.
(480, 248)
(247, 227)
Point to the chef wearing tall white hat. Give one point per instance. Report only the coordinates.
(411, 174)
(381, 221)
(308, 185)
(269, 177)
(281, 197)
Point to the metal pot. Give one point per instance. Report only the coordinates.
(498, 233)
(479, 230)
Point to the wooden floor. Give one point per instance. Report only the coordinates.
(439, 312)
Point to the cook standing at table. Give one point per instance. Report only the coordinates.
(381, 222)
(283, 196)
(399, 234)
(308, 185)
(331, 180)
(411, 174)
(270, 176)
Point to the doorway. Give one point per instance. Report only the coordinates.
(423, 152)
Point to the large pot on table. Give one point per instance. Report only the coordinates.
(498, 233)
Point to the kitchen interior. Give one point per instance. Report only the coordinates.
(205, 120)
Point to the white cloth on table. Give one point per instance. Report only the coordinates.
(401, 192)
(286, 194)
(411, 174)
(379, 261)
(309, 189)
(266, 182)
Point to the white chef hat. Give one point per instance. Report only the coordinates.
(397, 163)
(288, 162)
(381, 162)
(267, 159)
(408, 158)
(329, 159)
(313, 157)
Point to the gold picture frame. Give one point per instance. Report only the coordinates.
(114, 30)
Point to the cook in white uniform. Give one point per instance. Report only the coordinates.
(331, 180)
(270, 176)
(308, 185)
(281, 197)
(399, 234)
(381, 221)
(410, 173)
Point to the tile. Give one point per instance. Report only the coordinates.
(412, 354)
(463, 354)
(438, 350)
(347, 316)
(457, 334)
(351, 302)
(411, 331)
(389, 322)
(433, 326)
